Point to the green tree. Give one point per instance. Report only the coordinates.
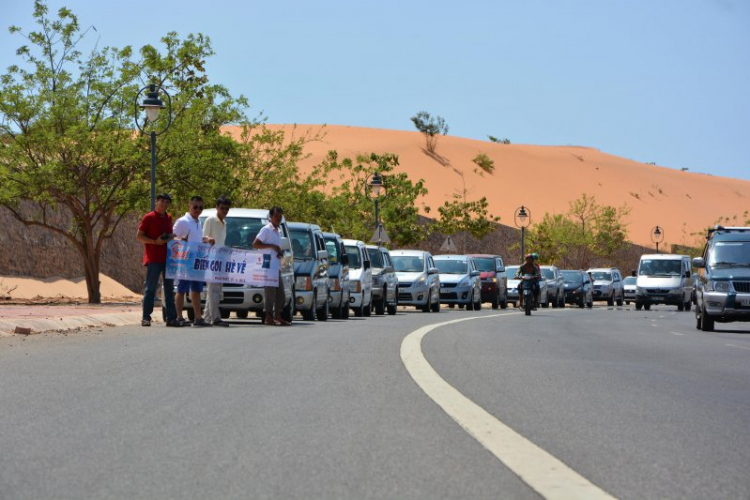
(492, 138)
(66, 125)
(431, 126)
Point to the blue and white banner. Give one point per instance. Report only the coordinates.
(219, 264)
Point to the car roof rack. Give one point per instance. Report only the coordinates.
(730, 229)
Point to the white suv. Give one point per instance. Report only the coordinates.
(607, 285)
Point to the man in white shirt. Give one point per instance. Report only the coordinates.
(188, 228)
(269, 241)
(215, 228)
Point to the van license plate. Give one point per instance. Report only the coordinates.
(745, 302)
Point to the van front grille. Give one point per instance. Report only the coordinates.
(742, 286)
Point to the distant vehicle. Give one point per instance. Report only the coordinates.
(310, 270)
(384, 280)
(513, 291)
(459, 281)
(418, 279)
(629, 289)
(338, 276)
(494, 279)
(243, 225)
(723, 290)
(578, 288)
(360, 278)
(664, 279)
(555, 285)
(607, 285)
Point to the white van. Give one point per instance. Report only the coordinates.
(360, 277)
(664, 279)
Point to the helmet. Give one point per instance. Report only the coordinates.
(535, 256)
(529, 256)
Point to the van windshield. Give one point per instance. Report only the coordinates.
(241, 231)
(660, 267)
(512, 270)
(407, 264)
(333, 251)
(301, 244)
(601, 276)
(376, 258)
(548, 274)
(354, 260)
(485, 264)
(730, 254)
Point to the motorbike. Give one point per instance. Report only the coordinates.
(529, 297)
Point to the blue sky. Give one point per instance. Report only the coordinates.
(664, 81)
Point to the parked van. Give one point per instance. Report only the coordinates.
(664, 279)
(310, 270)
(338, 276)
(360, 277)
(384, 281)
(243, 225)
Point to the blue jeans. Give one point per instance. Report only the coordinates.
(152, 281)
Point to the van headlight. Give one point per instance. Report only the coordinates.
(303, 283)
(718, 286)
(355, 286)
(334, 284)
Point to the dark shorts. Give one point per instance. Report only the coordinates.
(185, 286)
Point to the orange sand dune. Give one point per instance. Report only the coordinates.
(679, 202)
(23, 287)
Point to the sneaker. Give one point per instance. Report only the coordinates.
(145, 322)
(174, 323)
(184, 322)
(201, 322)
(219, 322)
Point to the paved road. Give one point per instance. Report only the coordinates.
(639, 403)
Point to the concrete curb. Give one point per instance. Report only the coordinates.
(8, 326)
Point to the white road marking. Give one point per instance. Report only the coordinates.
(543, 472)
(677, 333)
(740, 346)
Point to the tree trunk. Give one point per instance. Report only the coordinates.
(90, 256)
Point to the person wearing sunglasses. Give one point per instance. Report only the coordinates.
(189, 228)
(215, 228)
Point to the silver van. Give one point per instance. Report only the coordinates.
(664, 279)
(311, 286)
(384, 281)
(360, 277)
(243, 225)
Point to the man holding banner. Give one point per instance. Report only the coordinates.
(269, 242)
(189, 228)
(215, 228)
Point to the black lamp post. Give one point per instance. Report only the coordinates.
(522, 218)
(657, 236)
(153, 105)
(375, 190)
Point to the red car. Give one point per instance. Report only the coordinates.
(494, 279)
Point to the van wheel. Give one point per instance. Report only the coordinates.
(436, 306)
(627, 302)
(380, 305)
(309, 315)
(707, 322)
(427, 305)
(647, 307)
(619, 302)
(191, 314)
(288, 312)
(496, 300)
(478, 303)
(504, 303)
(688, 305)
(392, 308)
(680, 307)
(638, 306)
(345, 310)
(611, 300)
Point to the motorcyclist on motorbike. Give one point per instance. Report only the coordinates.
(529, 267)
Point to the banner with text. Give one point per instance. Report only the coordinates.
(219, 264)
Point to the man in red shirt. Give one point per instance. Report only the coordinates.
(155, 231)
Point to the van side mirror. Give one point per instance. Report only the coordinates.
(433, 270)
(687, 274)
(475, 273)
(367, 264)
(323, 254)
(285, 245)
(699, 262)
(345, 259)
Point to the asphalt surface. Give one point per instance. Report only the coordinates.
(639, 403)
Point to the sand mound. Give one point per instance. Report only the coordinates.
(24, 288)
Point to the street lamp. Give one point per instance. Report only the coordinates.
(657, 236)
(153, 105)
(375, 190)
(522, 218)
